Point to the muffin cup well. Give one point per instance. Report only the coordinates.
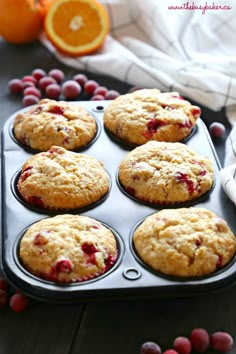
(169, 276)
(129, 146)
(39, 209)
(35, 151)
(163, 205)
(21, 268)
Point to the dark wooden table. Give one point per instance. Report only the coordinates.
(102, 327)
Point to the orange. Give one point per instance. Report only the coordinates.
(21, 21)
(76, 27)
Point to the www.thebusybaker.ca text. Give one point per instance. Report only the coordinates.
(203, 8)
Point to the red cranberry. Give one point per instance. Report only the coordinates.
(19, 302)
(200, 340)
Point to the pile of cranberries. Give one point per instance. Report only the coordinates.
(40, 84)
(17, 301)
(198, 342)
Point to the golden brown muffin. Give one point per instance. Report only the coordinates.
(60, 179)
(68, 248)
(149, 114)
(165, 173)
(52, 122)
(185, 242)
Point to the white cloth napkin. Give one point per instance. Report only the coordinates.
(173, 45)
(228, 173)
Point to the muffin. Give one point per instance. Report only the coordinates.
(148, 114)
(68, 248)
(185, 242)
(54, 123)
(62, 179)
(165, 173)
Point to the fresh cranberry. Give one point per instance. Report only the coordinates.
(29, 100)
(187, 124)
(56, 110)
(150, 348)
(57, 74)
(64, 266)
(109, 261)
(40, 240)
(182, 345)
(196, 112)
(19, 302)
(29, 78)
(88, 248)
(200, 340)
(179, 97)
(38, 73)
(28, 84)
(81, 79)
(154, 124)
(219, 261)
(183, 178)
(25, 173)
(97, 98)
(198, 243)
(16, 85)
(221, 341)
(32, 91)
(37, 201)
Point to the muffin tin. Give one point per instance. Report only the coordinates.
(129, 277)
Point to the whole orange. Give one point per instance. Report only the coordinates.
(21, 21)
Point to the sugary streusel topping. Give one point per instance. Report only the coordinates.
(186, 242)
(52, 122)
(149, 114)
(165, 173)
(62, 179)
(68, 248)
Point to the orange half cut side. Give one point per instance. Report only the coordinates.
(76, 27)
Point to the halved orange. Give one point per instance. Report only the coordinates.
(76, 27)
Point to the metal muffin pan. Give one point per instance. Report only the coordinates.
(129, 277)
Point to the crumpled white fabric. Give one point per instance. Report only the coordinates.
(173, 45)
(228, 173)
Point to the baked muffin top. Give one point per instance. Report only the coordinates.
(186, 242)
(53, 122)
(68, 248)
(59, 179)
(165, 173)
(149, 114)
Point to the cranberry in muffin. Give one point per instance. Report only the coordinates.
(149, 114)
(165, 173)
(58, 123)
(68, 248)
(59, 179)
